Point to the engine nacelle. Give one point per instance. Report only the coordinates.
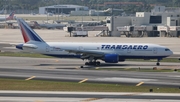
(26, 46)
(111, 58)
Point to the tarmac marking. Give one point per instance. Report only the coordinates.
(127, 68)
(91, 99)
(30, 78)
(97, 68)
(51, 67)
(83, 80)
(140, 83)
(132, 94)
(56, 60)
(38, 101)
(77, 67)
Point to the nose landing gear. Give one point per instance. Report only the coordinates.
(158, 62)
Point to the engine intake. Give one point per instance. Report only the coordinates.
(111, 58)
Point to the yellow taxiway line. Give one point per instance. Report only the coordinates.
(83, 80)
(30, 78)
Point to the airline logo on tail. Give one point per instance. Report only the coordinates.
(11, 16)
(27, 33)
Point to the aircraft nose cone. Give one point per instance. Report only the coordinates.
(170, 53)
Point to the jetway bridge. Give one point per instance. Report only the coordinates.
(104, 31)
(149, 31)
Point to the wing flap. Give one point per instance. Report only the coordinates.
(86, 52)
(29, 47)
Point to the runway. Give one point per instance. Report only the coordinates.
(48, 96)
(62, 70)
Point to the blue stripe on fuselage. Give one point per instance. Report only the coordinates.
(64, 55)
(121, 57)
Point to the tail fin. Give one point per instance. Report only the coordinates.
(28, 33)
(36, 23)
(11, 16)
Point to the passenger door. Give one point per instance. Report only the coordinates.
(155, 50)
(81, 48)
(128, 50)
(47, 48)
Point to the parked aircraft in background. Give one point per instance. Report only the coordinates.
(10, 17)
(49, 26)
(107, 52)
(2, 11)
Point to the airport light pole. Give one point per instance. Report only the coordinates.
(47, 13)
(58, 13)
(62, 13)
(112, 20)
(98, 11)
(82, 10)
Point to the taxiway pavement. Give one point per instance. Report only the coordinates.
(67, 70)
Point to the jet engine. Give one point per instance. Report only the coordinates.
(111, 58)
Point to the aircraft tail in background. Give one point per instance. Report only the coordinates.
(11, 16)
(2, 11)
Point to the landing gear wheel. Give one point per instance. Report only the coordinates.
(82, 66)
(93, 63)
(87, 63)
(98, 63)
(157, 63)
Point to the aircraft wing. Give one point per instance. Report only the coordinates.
(5, 45)
(86, 52)
(8, 44)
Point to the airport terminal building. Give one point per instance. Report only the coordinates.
(160, 22)
(58, 9)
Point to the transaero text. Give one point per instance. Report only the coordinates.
(140, 47)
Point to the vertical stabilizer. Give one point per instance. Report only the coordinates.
(28, 33)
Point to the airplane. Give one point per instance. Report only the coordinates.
(49, 26)
(107, 52)
(2, 11)
(10, 17)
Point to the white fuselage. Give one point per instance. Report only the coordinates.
(124, 50)
(2, 18)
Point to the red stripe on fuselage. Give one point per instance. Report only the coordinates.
(26, 39)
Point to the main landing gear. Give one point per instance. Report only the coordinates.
(95, 63)
(158, 60)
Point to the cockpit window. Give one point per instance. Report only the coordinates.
(167, 49)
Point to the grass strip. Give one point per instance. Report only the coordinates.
(154, 60)
(139, 69)
(39, 85)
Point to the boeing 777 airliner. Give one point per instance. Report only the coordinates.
(10, 17)
(108, 52)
